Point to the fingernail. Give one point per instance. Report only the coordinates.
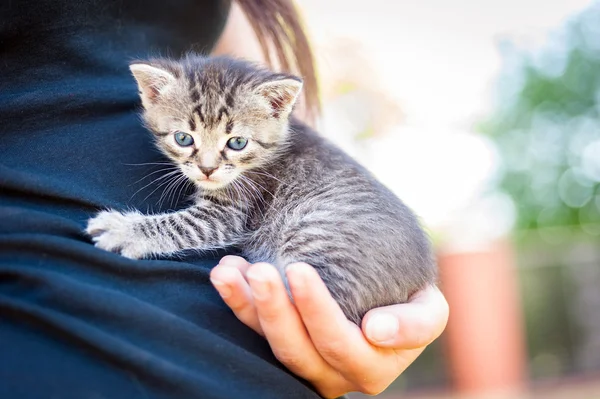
(382, 327)
(300, 271)
(261, 289)
(224, 261)
(222, 288)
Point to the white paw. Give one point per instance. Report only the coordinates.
(115, 232)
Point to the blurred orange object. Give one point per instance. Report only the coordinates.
(485, 336)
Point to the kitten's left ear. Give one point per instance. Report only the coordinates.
(281, 94)
(151, 81)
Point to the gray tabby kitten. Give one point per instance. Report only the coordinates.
(268, 184)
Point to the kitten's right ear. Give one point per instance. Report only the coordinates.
(151, 81)
(281, 94)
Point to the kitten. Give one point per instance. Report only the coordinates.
(268, 184)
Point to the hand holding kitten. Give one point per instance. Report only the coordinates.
(315, 340)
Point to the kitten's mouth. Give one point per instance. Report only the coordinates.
(209, 183)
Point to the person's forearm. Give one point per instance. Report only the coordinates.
(238, 38)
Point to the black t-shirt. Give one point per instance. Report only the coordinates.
(75, 321)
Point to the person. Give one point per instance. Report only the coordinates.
(78, 322)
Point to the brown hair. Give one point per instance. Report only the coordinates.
(277, 25)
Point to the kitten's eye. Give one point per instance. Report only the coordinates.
(237, 143)
(184, 139)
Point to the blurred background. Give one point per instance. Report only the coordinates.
(484, 116)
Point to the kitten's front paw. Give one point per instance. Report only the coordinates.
(115, 232)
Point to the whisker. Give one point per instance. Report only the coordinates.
(251, 184)
(241, 190)
(252, 204)
(152, 182)
(184, 185)
(254, 191)
(170, 176)
(153, 173)
(263, 173)
(260, 185)
(228, 189)
(233, 186)
(149, 163)
(255, 194)
(166, 191)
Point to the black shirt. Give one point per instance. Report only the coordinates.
(75, 321)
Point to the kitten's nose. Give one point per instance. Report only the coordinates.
(207, 171)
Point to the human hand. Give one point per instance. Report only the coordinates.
(313, 338)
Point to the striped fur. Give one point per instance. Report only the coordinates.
(288, 196)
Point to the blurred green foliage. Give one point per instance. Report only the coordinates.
(546, 126)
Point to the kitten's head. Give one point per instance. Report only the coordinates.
(216, 117)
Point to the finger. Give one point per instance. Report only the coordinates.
(235, 261)
(235, 291)
(408, 326)
(339, 341)
(283, 326)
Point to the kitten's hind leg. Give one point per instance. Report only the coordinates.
(206, 225)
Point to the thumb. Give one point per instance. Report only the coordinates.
(409, 325)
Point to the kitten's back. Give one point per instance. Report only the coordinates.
(331, 213)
